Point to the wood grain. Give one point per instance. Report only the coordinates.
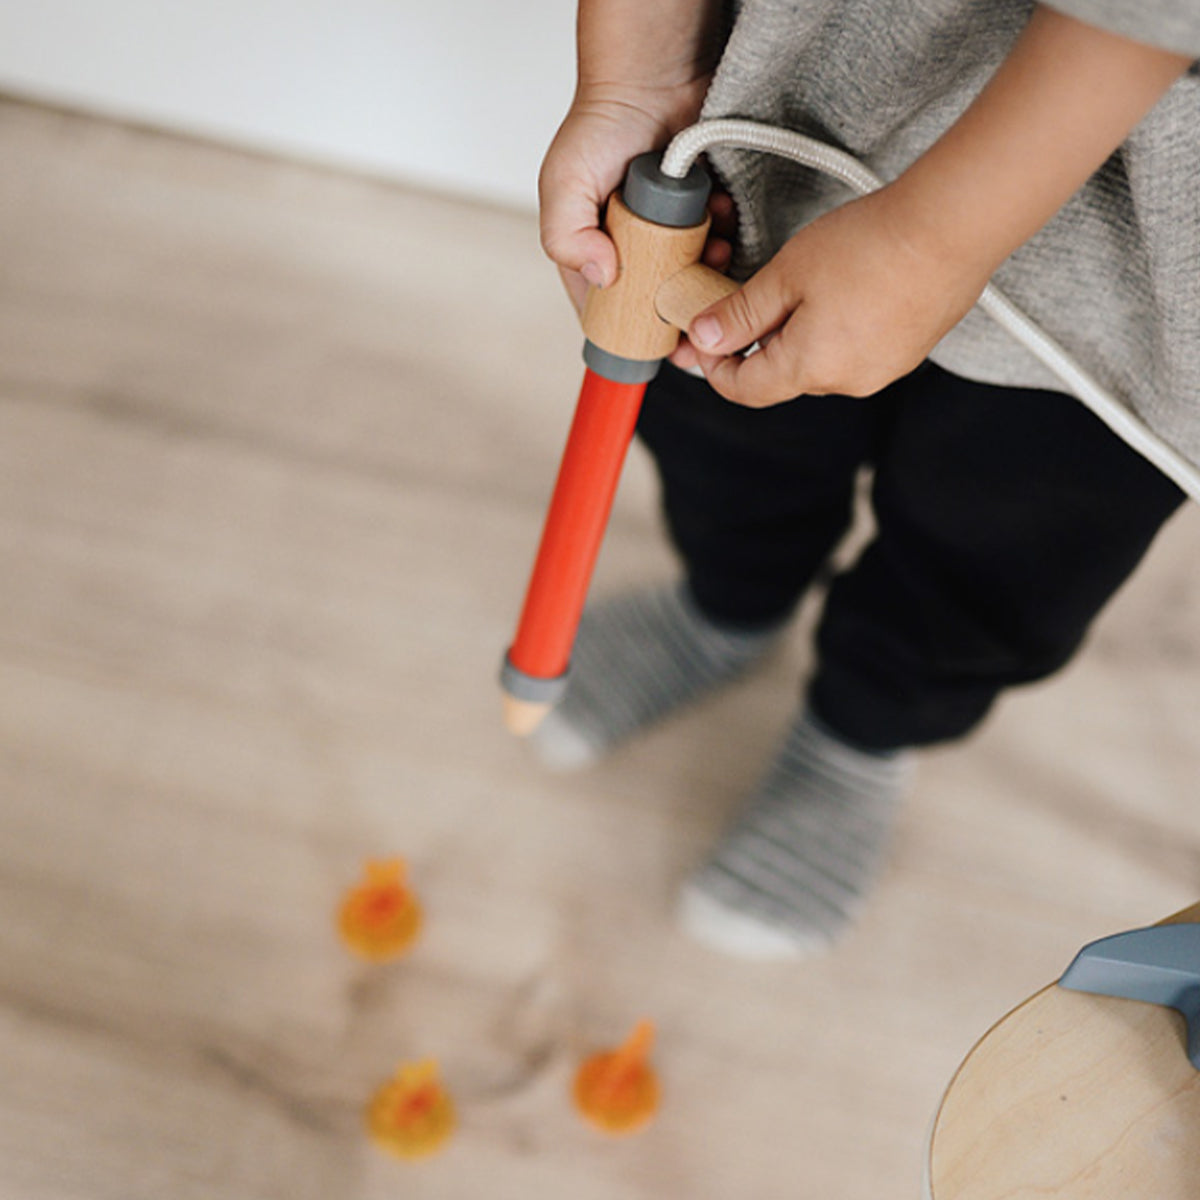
(622, 318)
(682, 297)
(1073, 1096)
(273, 463)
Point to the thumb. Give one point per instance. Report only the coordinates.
(588, 252)
(572, 238)
(743, 317)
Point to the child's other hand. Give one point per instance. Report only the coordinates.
(850, 303)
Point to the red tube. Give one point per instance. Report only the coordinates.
(604, 421)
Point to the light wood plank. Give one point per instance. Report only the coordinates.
(1075, 1096)
(271, 477)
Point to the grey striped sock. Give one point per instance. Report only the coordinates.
(638, 657)
(793, 871)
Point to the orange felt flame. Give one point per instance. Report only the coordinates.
(412, 1115)
(380, 918)
(617, 1090)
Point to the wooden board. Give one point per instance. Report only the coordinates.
(1076, 1097)
(273, 465)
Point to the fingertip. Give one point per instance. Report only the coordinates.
(705, 332)
(684, 356)
(599, 265)
(717, 254)
(720, 204)
(579, 247)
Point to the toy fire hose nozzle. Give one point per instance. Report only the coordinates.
(659, 225)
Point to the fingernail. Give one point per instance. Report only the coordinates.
(592, 273)
(706, 332)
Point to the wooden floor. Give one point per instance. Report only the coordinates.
(274, 449)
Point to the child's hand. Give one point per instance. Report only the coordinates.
(860, 296)
(852, 302)
(586, 163)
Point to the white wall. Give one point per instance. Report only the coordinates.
(456, 94)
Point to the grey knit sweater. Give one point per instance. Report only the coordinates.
(1115, 275)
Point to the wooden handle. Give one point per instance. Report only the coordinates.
(689, 292)
(1074, 1096)
(622, 318)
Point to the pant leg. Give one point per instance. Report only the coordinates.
(1006, 519)
(755, 500)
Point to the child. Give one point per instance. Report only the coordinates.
(1053, 147)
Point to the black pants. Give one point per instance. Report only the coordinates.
(1005, 517)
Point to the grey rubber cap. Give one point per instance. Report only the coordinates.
(618, 369)
(521, 686)
(678, 203)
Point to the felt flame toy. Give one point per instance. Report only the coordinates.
(412, 1115)
(659, 225)
(380, 917)
(617, 1091)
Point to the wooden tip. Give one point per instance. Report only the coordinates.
(522, 717)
